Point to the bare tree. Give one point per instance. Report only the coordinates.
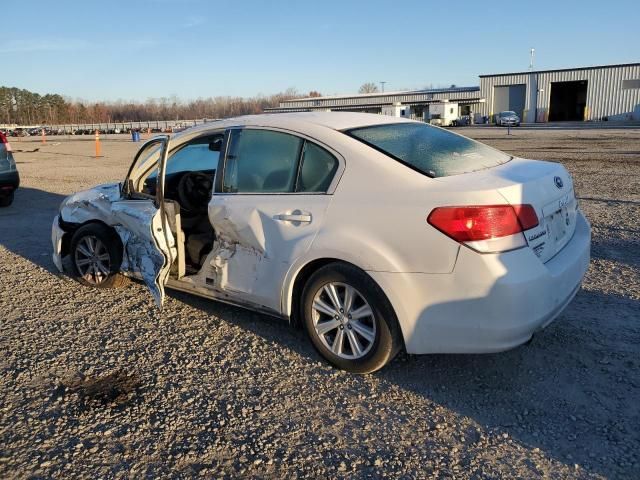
(368, 87)
(24, 107)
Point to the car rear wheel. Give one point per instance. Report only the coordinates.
(349, 319)
(6, 201)
(96, 256)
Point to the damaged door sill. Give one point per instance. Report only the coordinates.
(217, 295)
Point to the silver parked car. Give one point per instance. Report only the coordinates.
(507, 119)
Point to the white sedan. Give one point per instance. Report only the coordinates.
(374, 233)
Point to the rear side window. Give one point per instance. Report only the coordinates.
(265, 161)
(317, 170)
(430, 150)
(261, 161)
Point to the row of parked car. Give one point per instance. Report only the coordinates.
(27, 132)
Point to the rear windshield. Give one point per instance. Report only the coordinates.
(430, 150)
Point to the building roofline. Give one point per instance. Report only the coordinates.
(311, 108)
(595, 67)
(386, 94)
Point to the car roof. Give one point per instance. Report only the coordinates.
(332, 120)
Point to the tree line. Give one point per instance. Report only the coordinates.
(22, 107)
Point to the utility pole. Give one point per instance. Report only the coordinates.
(382, 86)
(533, 51)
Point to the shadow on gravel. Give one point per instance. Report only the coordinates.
(25, 226)
(624, 251)
(554, 394)
(569, 393)
(270, 328)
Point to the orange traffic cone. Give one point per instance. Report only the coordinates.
(98, 150)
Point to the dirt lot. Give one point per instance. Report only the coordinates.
(218, 391)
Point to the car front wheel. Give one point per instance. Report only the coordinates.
(96, 256)
(349, 320)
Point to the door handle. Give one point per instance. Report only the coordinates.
(294, 217)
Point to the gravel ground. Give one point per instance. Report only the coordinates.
(100, 384)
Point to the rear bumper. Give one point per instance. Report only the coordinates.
(489, 303)
(9, 182)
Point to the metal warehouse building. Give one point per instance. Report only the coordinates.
(601, 93)
(410, 104)
(607, 92)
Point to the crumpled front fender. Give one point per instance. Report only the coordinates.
(131, 219)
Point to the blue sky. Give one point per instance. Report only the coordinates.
(199, 48)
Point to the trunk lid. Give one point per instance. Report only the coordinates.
(549, 188)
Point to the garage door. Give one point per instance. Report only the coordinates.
(509, 97)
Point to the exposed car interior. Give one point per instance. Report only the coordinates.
(188, 182)
(258, 161)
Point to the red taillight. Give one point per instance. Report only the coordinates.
(526, 216)
(482, 222)
(3, 139)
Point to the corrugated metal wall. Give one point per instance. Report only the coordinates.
(329, 102)
(605, 95)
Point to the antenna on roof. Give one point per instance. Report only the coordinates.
(533, 52)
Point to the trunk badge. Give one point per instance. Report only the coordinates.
(558, 182)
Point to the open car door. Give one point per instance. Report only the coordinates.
(143, 224)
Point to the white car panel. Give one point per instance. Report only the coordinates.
(533, 182)
(147, 253)
(491, 302)
(258, 237)
(135, 221)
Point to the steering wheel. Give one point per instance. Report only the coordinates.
(194, 191)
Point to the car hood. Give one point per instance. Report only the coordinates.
(90, 204)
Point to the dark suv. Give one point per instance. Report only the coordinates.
(9, 178)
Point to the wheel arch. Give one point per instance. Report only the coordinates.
(71, 228)
(293, 294)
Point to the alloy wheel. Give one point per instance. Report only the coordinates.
(92, 259)
(343, 320)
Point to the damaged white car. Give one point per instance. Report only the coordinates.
(375, 233)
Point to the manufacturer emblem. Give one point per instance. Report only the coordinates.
(558, 182)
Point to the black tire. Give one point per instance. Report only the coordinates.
(113, 246)
(388, 339)
(8, 200)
